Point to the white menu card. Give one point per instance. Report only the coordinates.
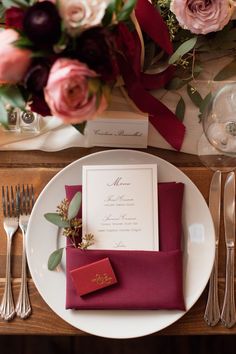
(120, 206)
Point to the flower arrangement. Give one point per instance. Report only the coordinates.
(59, 56)
(64, 57)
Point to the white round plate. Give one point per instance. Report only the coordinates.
(42, 239)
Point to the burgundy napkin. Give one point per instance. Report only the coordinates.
(146, 279)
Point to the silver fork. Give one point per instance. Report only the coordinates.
(10, 224)
(25, 198)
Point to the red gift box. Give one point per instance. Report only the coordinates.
(93, 276)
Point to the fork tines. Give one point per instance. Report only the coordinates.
(25, 197)
(9, 201)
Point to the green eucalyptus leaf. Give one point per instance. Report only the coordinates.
(111, 8)
(74, 205)
(56, 219)
(11, 3)
(228, 71)
(180, 109)
(23, 42)
(183, 49)
(55, 258)
(22, 2)
(194, 96)
(2, 13)
(3, 115)
(126, 10)
(11, 95)
(8, 3)
(80, 127)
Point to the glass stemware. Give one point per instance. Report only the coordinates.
(217, 145)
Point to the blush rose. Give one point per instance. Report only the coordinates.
(67, 92)
(202, 16)
(79, 15)
(14, 62)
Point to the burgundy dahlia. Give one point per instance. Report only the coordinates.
(39, 105)
(14, 18)
(95, 47)
(36, 78)
(42, 23)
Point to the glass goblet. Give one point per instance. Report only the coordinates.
(217, 145)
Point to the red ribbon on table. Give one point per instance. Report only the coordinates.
(137, 83)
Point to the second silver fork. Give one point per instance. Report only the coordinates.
(25, 200)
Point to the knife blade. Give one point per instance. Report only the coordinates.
(229, 209)
(212, 311)
(228, 315)
(215, 202)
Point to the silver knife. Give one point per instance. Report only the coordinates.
(228, 315)
(212, 311)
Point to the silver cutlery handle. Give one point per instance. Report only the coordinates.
(23, 306)
(7, 309)
(228, 315)
(212, 311)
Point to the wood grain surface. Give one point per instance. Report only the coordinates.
(38, 168)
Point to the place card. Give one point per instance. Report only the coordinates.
(118, 132)
(120, 206)
(120, 125)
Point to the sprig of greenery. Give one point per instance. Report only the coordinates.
(118, 10)
(66, 218)
(17, 3)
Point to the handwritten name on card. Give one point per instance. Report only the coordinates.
(118, 132)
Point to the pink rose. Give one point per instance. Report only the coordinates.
(67, 92)
(14, 61)
(202, 16)
(79, 15)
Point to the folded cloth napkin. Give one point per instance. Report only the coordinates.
(146, 279)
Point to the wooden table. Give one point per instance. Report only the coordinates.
(38, 168)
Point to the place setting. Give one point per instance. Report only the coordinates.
(184, 235)
(117, 167)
